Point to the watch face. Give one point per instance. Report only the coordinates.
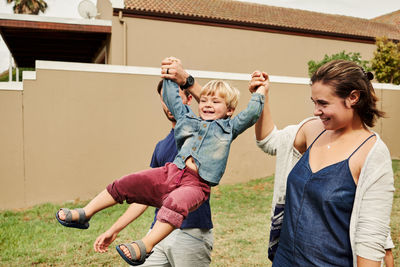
(190, 81)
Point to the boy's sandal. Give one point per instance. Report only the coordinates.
(133, 261)
(81, 223)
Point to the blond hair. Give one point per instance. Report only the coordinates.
(224, 90)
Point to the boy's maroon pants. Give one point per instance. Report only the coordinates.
(176, 192)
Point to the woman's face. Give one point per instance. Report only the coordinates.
(334, 112)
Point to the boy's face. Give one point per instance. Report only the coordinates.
(213, 107)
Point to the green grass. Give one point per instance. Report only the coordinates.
(33, 237)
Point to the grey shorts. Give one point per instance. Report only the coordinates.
(182, 248)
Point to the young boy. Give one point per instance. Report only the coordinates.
(203, 146)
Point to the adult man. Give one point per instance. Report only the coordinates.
(190, 245)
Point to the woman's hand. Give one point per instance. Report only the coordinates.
(104, 240)
(171, 68)
(259, 82)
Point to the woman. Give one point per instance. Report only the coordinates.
(334, 175)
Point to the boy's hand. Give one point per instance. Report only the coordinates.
(103, 241)
(171, 68)
(259, 82)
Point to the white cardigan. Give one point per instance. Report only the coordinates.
(370, 218)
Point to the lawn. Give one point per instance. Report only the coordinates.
(32, 237)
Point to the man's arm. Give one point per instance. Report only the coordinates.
(363, 262)
(177, 74)
(104, 240)
(389, 259)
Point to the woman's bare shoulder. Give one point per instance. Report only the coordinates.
(308, 131)
(312, 128)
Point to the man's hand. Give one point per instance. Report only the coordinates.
(171, 68)
(104, 240)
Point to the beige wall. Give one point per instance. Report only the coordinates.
(222, 49)
(12, 184)
(70, 132)
(85, 129)
(391, 124)
(104, 9)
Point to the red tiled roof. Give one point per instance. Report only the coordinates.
(391, 18)
(236, 12)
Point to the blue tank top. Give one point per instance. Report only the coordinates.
(318, 206)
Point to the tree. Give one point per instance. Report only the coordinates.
(386, 61)
(28, 6)
(352, 56)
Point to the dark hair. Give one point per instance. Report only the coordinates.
(346, 76)
(159, 87)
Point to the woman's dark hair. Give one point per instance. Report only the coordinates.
(346, 76)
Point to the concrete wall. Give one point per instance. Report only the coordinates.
(104, 9)
(391, 124)
(222, 49)
(85, 129)
(12, 180)
(74, 128)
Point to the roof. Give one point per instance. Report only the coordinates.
(391, 18)
(32, 37)
(264, 16)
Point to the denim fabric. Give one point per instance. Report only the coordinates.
(318, 207)
(165, 152)
(208, 142)
(374, 193)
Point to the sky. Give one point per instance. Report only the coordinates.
(356, 8)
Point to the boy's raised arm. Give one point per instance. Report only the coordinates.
(173, 100)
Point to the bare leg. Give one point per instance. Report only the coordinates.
(159, 232)
(100, 202)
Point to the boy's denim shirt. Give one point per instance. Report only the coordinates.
(208, 142)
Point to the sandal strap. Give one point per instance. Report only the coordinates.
(68, 215)
(82, 216)
(131, 250)
(142, 249)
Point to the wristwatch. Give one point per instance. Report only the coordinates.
(189, 82)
